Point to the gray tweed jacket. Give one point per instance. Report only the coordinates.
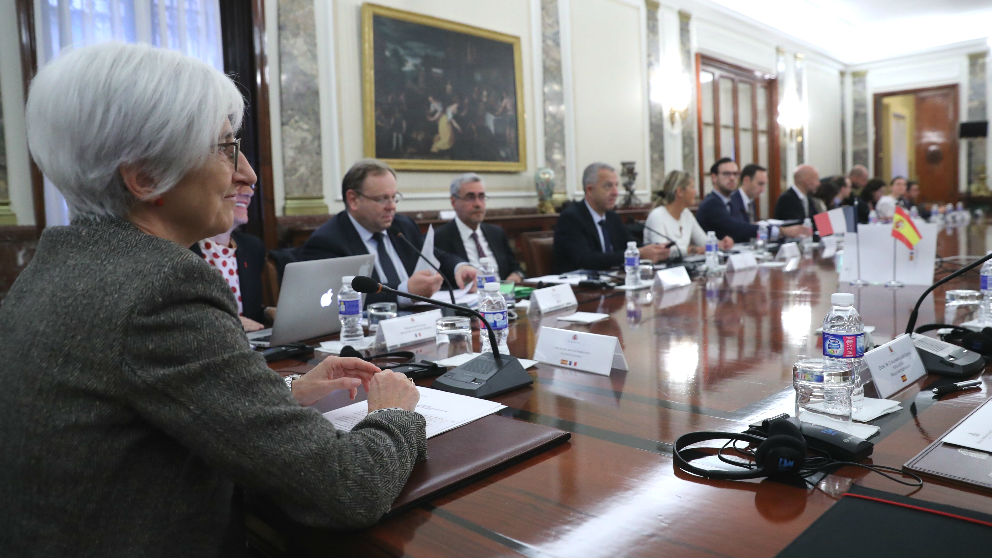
(131, 405)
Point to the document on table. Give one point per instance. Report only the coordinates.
(583, 317)
(444, 411)
(462, 295)
(975, 432)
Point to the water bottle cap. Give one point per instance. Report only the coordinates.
(842, 299)
(347, 279)
(632, 244)
(491, 286)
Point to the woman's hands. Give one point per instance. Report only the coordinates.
(386, 389)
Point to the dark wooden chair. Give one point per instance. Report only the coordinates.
(537, 252)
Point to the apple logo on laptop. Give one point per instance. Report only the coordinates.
(327, 298)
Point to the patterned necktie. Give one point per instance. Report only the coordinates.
(607, 243)
(478, 245)
(392, 278)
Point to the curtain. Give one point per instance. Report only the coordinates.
(189, 26)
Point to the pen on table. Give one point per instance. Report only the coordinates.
(959, 386)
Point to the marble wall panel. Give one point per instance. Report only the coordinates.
(554, 95)
(843, 121)
(859, 122)
(688, 68)
(300, 99)
(656, 112)
(977, 110)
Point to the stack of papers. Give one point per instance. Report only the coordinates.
(872, 408)
(444, 411)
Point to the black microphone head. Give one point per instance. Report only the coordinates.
(365, 284)
(349, 351)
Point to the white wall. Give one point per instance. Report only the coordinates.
(823, 148)
(12, 97)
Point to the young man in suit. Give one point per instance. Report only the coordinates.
(796, 203)
(468, 237)
(589, 234)
(370, 225)
(723, 210)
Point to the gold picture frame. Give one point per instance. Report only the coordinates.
(436, 94)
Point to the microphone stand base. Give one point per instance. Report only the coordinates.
(484, 376)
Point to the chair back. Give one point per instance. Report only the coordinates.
(537, 252)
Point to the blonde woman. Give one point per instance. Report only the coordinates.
(675, 220)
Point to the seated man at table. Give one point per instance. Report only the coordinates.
(370, 225)
(468, 237)
(589, 234)
(725, 212)
(796, 203)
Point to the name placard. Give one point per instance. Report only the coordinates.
(788, 251)
(672, 277)
(737, 262)
(407, 330)
(829, 246)
(554, 298)
(588, 352)
(894, 365)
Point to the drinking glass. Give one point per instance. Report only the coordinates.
(960, 305)
(823, 387)
(379, 311)
(456, 333)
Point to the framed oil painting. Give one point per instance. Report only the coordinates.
(440, 95)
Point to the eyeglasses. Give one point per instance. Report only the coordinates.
(729, 173)
(233, 151)
(472, 196)
(383, 200)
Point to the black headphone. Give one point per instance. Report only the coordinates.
(782, 453)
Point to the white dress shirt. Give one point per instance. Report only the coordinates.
(470, 250)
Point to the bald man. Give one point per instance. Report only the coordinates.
(796, 203)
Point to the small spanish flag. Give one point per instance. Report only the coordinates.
(903, 228)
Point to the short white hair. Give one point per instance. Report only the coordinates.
(466, 178)
(96, 108)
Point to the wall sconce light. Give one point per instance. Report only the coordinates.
(673, 90)
(792, 116)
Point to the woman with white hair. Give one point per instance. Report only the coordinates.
(132, 403)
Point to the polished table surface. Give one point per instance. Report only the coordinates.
(713, 356)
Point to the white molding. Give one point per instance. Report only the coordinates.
(275, 104)
(963, 48)
(330, 142)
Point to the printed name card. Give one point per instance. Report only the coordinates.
(588, 352)
(829, 246)
(737, 262)
(788, 251)
(554, 298)
(894, 365)
(407, 330)
(672, 277)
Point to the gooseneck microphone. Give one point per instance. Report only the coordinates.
(485, 375)
(670, 239)
(916, 309)
(420, 253)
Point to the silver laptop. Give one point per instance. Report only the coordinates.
(308, 305)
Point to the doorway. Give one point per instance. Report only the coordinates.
(916, 137)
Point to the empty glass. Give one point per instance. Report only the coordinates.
(379, 311)
(960, 305)
(646, 272)
(456, 333)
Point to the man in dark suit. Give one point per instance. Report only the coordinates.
(468, 237)
(370, 225)
(589, 234)
(796, 203)
(723, 210)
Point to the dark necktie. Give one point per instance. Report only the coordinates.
(607, 243)
(392, 278)
(478, 245)
(750, 212)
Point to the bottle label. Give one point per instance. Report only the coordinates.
(480, 281)
(843, 346)
(490, 279)
(631, 261)
(807, 376)
(985, 283)
(496, 320)
(349, 307)
(710, 247)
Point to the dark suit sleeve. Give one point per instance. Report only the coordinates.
(325, 242)
(573, 248)
(251, 261)
(789, 207)
(712, 215)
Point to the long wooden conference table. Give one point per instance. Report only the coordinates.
(716, 355)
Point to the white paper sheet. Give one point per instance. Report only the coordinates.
(975, 432)
(462, 295)
(583, 317)
(461, 359)
(444, 411)
(873, 408)
(428, 251)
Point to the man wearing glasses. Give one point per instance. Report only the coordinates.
(471, 239)
(370, 225)
(722, 212)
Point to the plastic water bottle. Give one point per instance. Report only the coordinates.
(488, 273)
(985, 310)
(712, 257)
(914, 212)
(964, 217)
(807, 241)
(493, 309)
(844, 341)
(631, 259)
(762, 239)
(872, 217)
(350, 312)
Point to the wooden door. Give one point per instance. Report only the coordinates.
(936, 144)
